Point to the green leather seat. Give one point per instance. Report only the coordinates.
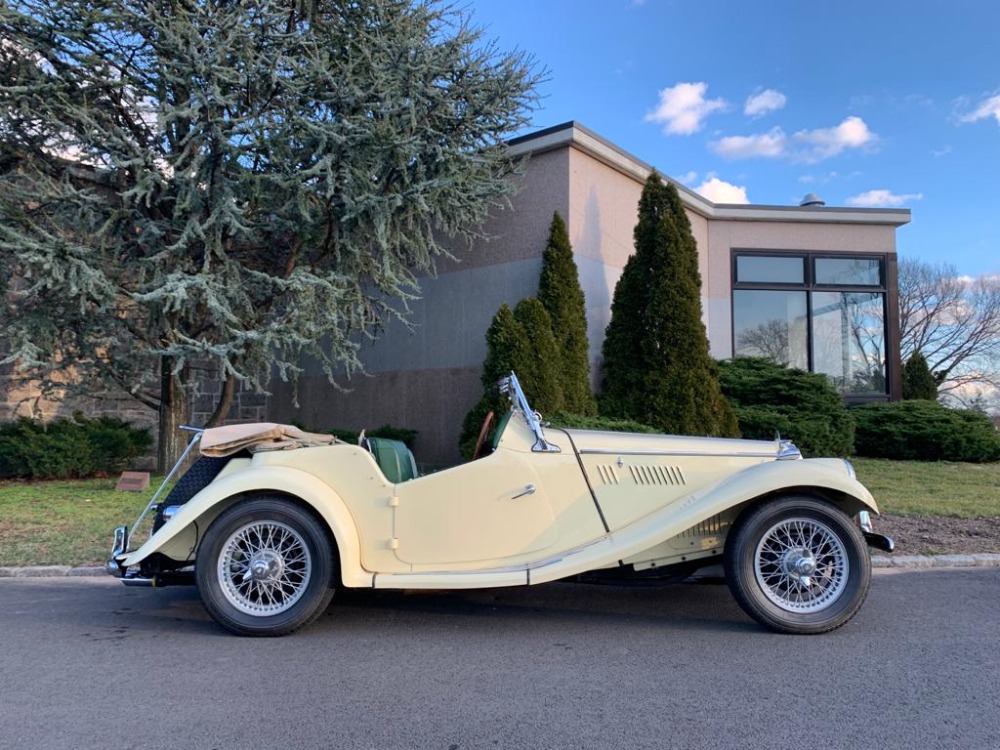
(393, 458)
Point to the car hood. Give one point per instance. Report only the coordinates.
(593, 441)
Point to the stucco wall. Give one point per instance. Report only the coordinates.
(426, 376)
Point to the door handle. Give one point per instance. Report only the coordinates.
(528, 490)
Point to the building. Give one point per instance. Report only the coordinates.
(809, 285)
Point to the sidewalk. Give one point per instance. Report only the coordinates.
(895, 562)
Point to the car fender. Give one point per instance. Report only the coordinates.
(828, 475)
(195, 515)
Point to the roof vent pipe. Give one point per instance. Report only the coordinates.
(811, 201)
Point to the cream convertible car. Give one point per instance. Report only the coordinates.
(271, 520)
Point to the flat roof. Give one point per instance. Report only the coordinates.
(574, 135)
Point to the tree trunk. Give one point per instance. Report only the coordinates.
(225, 402)
(173, 413)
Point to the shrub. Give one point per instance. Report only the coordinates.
(559, 291)
(589, 422)
(802, 406)
(918, 382)
(922, 430)
(69, 448)
(657, 367)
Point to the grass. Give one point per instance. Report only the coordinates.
(70, 522)
(64, 522)
(917, 488)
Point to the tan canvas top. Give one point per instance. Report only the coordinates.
(259, 436)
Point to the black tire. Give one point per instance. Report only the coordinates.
(265, 568)
(797, 565)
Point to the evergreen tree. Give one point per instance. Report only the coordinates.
(522, 342)
(235, 184)
(559, 291)
(506, 348)
(657, 367)
(538, 368)
(918, 381)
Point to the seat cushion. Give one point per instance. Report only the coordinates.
(393, 458)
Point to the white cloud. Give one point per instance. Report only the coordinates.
(808, 146)
(823, 143)
(987, 108)
(683, 108)
(937, 153)
(720, 191)
(772, 144)
(766, 101)
(687, 179)
(883, 199)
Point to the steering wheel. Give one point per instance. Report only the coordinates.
(483, 432)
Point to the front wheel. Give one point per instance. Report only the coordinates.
(265, 568)
(798, 565)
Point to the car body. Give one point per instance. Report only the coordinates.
(277, 520)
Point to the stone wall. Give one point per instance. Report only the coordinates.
(19, 398)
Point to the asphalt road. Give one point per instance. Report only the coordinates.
(88, 663)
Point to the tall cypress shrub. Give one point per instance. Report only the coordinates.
(657, 367)
(538, 369)
(507, 347)
(560, 292)
(918, 381)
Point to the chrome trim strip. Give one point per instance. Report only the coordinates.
(608, 452)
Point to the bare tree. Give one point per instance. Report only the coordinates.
(953, 321)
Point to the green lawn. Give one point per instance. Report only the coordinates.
(64, 522)
(70, 522)
(916, 488)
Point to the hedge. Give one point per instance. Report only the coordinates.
(923, 430)
(69, 448)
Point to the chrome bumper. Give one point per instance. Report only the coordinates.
(878, 541)
(118, 548)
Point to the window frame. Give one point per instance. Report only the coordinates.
(811, 285)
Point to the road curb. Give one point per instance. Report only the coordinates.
(936, 561)
(898, 562)
(53, 571)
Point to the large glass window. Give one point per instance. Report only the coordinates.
(771, 324)
(848, 341)
(823, 314)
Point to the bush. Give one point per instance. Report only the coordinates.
(925, 431)
(69, 448)
(588, 422)
(657, 366)
(801, 406)
(918, 381)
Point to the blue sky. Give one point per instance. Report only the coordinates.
(881, 103)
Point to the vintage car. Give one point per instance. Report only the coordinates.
(270, 521)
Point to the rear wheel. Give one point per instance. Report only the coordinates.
(798, 565)
(265, 568)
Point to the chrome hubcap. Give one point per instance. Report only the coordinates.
(264, 568)
(801, 565)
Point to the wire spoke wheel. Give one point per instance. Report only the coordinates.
(797, 564)
(801, 565)
(264, 568)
